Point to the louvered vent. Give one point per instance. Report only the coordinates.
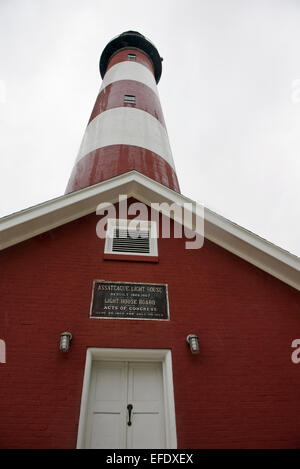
(133, 241)
(129, 99)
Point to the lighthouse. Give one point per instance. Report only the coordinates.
(126, 130)
(128, 338)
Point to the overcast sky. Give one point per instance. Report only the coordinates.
(230, 92)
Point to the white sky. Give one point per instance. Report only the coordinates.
(230, 92)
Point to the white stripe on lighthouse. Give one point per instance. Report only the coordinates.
(126, 126)
(129, 71)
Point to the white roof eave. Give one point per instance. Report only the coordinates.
(41, 218)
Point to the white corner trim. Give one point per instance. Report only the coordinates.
(159, 355)
(84, 400)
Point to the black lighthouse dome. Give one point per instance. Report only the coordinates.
(131, 39)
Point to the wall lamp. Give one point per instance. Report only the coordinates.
(65, 340)
(193, 342)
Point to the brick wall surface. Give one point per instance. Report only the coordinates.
(241, 391)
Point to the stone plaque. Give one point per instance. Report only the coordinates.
(126, 300)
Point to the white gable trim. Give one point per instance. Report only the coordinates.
(23, 225)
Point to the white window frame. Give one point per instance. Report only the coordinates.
(144, 355)
(150, 226)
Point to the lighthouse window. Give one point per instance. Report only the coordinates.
(131, 237)
(131, 56)
(129, 98)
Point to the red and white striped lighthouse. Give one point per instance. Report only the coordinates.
(126, 130)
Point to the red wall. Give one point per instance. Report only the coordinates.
(241, 391)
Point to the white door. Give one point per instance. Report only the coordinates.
(126, 405)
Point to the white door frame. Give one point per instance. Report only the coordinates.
(114, 354)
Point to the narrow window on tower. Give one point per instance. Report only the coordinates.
(131, 57)
(129, 99)
(131, 237)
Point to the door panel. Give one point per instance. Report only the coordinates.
(107, 404)
(106, 431)
(146, 432)
(109, 381)
(145, 393)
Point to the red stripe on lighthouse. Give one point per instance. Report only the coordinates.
(122, 56)
(112, 96)
(107, 162)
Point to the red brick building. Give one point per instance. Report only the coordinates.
(129, 378)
